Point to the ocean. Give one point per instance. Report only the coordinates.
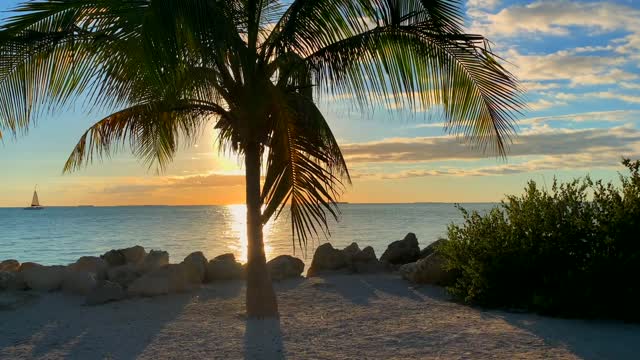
(60, 235)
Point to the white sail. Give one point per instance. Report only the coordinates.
(35, 201)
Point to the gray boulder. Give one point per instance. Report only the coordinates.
(12, 281)
(10, 265)
(114, 258)
(155, 260)
(224, 267)
(402, 251)
(327, 258)
(134, 255)
(284, 267)
(27, 266)
(79, 282)
(168, 279)
(196, 264)
(366, 255)
(92, 264)
(365, 261)
(108, 291)
(431, 248)
(18, 282)
(225, 257)
(7, 279)
(123, 275)
(430, 270)
(44, 278)
(350, 251)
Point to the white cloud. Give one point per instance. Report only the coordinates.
(538, 141)
(555, 163)
(566, 65)
(543, 104)
(174, 182)
(635, 99)
(594, 116)
(483, 4)
(597, 64)
(555, 17)
(539, 86)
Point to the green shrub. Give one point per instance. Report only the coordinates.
(570, 251)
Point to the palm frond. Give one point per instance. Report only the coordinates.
(422, 70)
(152, 130)
(305, 168)
(108, 52)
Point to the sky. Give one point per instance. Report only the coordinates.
(578, 60)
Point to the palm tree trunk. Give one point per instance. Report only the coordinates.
(261, 299)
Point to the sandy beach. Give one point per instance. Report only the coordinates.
(333, 317)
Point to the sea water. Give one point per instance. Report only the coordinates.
(60, 235)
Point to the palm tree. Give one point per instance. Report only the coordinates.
(256, 68)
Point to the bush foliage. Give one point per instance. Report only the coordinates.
(570, 251)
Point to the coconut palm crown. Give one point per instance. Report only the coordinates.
(255, 68)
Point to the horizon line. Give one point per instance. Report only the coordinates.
(236, 204)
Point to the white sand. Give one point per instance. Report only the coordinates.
(337, 317)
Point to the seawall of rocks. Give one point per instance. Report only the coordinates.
(131, 272)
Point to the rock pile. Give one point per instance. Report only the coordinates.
(122, 273)
(118, 274)
(350, 259)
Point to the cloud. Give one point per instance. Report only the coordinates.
(594, 116)
(635, 99)
(555, 163)
(556, 17)
(593, 65)
(483, 4)
(538, 86)
(539, 141)
(177, 182)
(565, 65)
(544, 104)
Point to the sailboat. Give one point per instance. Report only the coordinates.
(35, 202)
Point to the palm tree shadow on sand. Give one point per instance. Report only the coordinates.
(263, 339)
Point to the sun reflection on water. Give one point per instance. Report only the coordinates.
(238, 221)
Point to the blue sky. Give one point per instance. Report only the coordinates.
(579, 60)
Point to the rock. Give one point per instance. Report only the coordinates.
(168, 279)
(366, 255)
(196, 265)
(224, 267)
(431, 248)
(114, 258)
(108, 291)
(7, 279)
(92, 264)
(228, 257)
(79, 282)
(44, 278)
(123, 275)
(430, 270)
(350, 251)
(27, 266)
(12, 281)
(365, 261)
(284, 267)
(10, 265)
(155, 260)
(327, 258)
(402, 251)
(134, 255)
